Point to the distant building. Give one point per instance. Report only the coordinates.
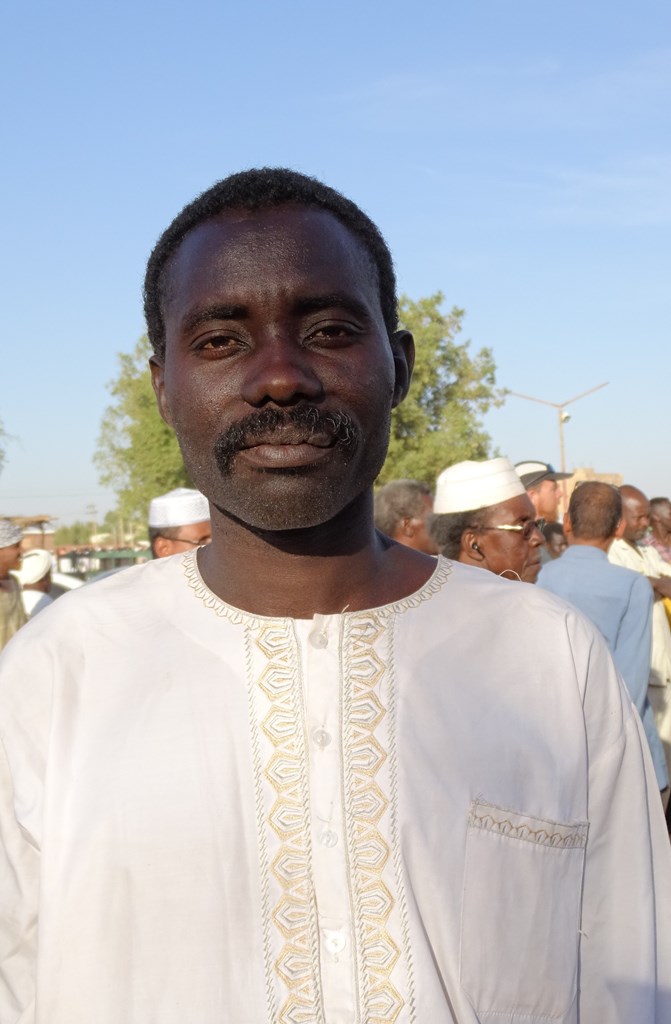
(37, 531)
(579, 475)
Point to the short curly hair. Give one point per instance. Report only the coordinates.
(262, 189)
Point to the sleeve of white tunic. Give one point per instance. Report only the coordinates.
(19, 866)
(25, 711)
(625, 962)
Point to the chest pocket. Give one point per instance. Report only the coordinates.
(521, 915)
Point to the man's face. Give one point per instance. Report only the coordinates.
(556, 544)
(10, 558)
(635, 517)
(192, 535)
(661, 518)
(545, 497)
(414, 532)
(279, 376)
(423, 539)
(506, 552)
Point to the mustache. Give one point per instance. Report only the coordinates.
(307, 419)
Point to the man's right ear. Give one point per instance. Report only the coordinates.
(158, 383)
(567, 524)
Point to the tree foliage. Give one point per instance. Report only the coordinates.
(439, 423)
(77, 534)
(137, 453)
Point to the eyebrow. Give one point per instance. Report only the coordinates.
(302, 307)
(319, 303)
(215, 311)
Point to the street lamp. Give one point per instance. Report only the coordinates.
(562, 418)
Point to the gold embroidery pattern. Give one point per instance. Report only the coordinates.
(393, 828)
(367, 803)
(195, 581)
(294, 915)
(263, 845)
(491, 818)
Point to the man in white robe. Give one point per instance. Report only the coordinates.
(627, 551)
(305, 774)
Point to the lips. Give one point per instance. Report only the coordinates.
(279, 439)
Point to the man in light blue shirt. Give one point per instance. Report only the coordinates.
(618, 601)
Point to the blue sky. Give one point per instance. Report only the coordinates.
(516, 154)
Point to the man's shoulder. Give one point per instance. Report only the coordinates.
(472, 590)
(116, 603)
(621, 553)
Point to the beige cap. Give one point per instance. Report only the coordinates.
(180, 507)
(467, 486)
(34, 566)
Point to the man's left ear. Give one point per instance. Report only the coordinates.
(403, 348)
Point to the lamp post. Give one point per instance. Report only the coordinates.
(562, 417)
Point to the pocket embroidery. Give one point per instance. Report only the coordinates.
(531, 830)
(521, 914)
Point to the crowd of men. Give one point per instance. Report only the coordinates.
(610, 558)
(301, 769)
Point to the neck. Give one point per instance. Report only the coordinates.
(602, 545)
(340, 565)
(660, 534)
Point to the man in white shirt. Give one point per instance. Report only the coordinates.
(306, 774)
(629, 552)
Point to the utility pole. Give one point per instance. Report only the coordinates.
(562, 418)
(92, 512)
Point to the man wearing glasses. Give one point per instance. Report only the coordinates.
(484, 517)
(178, 520)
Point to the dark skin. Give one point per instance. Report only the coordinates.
(10, 558)
(635, 520)
(280, 310)
(190, 535)
(413, 531)
(660, 522)
(505, 552)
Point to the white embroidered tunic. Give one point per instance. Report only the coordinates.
(437, 812)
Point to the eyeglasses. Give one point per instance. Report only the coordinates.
(187, 540)
(526, 529)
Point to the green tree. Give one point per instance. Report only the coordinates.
(76, 533)
(137, 453)
(439, 422)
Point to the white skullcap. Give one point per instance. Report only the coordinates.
(180, 507)
(34, 566)
(472, 485)
(10, 533)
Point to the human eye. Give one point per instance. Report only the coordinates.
(332, 333)
(217, 345)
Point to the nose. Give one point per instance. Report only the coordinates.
(280, 372)
(536, 537)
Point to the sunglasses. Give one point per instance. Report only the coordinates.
(526, 529)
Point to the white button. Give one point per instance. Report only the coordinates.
(319, 640)
(334, 941)
(321, 737)
(328, 838)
